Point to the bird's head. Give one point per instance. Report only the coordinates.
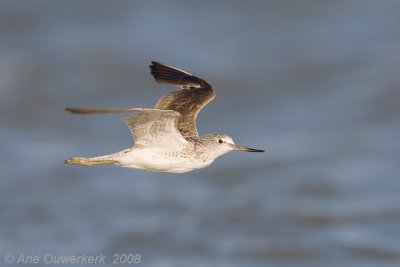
(222, 144)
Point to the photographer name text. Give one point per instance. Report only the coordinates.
(116, 258)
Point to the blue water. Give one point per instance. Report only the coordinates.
(314, 83)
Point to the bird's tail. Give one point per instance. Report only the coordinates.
(89, 161)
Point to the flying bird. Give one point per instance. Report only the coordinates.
(166, 136)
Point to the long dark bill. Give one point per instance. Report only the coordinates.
(246, 149)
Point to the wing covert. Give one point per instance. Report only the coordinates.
(152, 127)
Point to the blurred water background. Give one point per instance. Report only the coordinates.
(315, 83)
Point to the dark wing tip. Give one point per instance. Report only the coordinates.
(166, 74)
(154, 64)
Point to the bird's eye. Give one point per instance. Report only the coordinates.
(220, 141)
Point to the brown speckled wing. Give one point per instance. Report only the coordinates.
(154, 127)
(195, 94)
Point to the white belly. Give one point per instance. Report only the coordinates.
(160, 160)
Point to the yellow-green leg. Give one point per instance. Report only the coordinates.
(89, 161)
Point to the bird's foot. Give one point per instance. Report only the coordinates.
(87, 161)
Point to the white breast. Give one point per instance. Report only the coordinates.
(160, 160)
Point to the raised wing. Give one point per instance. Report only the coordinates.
(154, 127)
(195, 94)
